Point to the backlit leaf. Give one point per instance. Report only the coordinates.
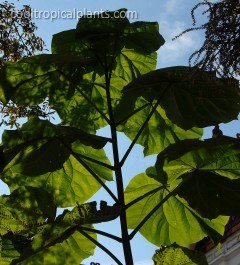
(176, 255)
(190, 97)
(55, 158)
(159, 132)
(174, 221)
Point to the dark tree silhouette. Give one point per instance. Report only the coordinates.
(18, 40)
(17, 33)
(220, 51)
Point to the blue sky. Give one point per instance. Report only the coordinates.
(173, 17)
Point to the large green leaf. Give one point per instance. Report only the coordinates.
(176, 255)
(56, 158)
(220, 156)
(137, 43)
(24, 209)
(190, 97)
(92, 34)
(107, 35)
(209, 174)
(174, 220)
(71, 82)
(140, 40)
(211, 194)
(58, 242)
(130, 50)
(31, 80)
(159, 132)
(56, 77)
(73, 250)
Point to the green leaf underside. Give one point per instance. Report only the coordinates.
(176, 255)
(208, 171)
(220, 156)
(73, 250)
(205, 178)
(159, 133)
(46, 160)
(30, 80)
(58, 242)
(60, 77)
(48, 166)
(24, 209)
(189, 96)
(174, 221)
(211, 194)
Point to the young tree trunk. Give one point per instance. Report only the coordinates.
(119, 180)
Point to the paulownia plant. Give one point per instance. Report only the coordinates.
(103, 73)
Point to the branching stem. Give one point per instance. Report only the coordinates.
(98, 179)
(116, 238)
(95, 161)
(93, 105)
(142, 197)
(145, 219)
(132, 114)
(144, 125)
(101, 247)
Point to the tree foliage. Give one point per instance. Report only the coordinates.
(101, 73)
(175, 255)
(18, 40)
(17, 33)
(220, 50)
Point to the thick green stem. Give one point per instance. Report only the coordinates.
(119, 178)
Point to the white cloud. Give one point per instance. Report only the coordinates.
(173, 50)
(172, 6)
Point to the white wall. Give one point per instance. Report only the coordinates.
(228, 254)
